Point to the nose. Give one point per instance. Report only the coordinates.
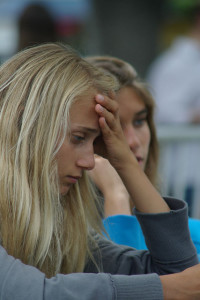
(132, 138)
(86, 160)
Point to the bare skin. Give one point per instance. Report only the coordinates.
(116, 197)
(102, 117)
(77, 146)
(145, 196)
(182, 286)
(133, 119)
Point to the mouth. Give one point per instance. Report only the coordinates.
(73, 179)
(139, 159)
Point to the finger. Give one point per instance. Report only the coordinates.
(110, 127)
(105, 128)
(108, 103)
(106, 116)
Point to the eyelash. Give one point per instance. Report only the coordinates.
(78, 138)
(140, 121)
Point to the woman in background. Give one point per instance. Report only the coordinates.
(136, 111)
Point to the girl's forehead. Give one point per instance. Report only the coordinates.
(128, 98)
(84, 101)
(82, 112)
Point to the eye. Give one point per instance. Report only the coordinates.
(77, 138)
(140, 122)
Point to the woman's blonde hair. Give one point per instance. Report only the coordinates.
(37, 225)
(128, 77)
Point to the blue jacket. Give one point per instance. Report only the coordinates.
(126, 230)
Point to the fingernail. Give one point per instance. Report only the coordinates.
(100, 108)
(100, 97)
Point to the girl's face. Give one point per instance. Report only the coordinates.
(77, 152)
(133, 117)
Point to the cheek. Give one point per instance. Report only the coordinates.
(146, 138)
(126, 132)
(64, 157)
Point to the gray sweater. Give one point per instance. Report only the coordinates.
(170, 250)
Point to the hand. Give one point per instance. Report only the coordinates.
(184, 285)
(116, 197)
(146, 198)
(116, 148)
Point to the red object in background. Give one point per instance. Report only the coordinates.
(68, 27)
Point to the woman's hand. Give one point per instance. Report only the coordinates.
(184, 285)
(116, 146)
(116, 197)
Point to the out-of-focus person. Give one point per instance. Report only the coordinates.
(36, 26)
(174, 76)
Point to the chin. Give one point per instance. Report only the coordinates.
(64, 190)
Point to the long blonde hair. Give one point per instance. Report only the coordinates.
(128, 77)
(37, 225)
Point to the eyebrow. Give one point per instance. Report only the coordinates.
(88, 129)
(142, 112)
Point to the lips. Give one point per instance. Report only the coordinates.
(139, 159)
(73, 179)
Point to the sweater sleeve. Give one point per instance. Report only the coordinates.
(167, 234)
(21, 282)
(168, 240)
(126, 230)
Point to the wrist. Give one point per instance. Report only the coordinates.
(127, 165)
(117, 204)
(172, 289)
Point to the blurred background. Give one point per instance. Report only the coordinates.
(161, 39)
(135, 30)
